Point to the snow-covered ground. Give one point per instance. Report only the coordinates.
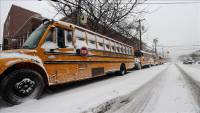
(170, 92)
(192, 71)
(160, 89)
(89, 96)
(174, 95)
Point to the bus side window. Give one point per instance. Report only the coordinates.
(107, 45)
(112, 46)
(122, 49)
(91, 41)
(130, 52)
(68, 39)
(127, 50)
(100, 45)
(60, 37)
(50, 41)
(117, 47)
(80, 38)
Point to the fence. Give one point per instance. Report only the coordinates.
(14, 42)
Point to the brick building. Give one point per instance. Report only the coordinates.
(18, 25)
(21, 22)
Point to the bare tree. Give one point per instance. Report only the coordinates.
(103, 15)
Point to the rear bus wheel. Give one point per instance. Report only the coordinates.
(122, 70)
(138, 66)
(22, 85)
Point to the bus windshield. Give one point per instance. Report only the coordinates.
(35, 37)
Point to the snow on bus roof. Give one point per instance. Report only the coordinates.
(67, 24)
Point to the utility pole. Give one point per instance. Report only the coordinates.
(155, 41)
(78, 12)
(163, 53)
(140, 32)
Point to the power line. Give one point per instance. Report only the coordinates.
(178, 46)
(175, 2)
(170, 3)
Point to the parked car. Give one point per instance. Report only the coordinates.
(188, 62)
(197, 62)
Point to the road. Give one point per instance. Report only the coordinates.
(159, 89)
(197, 66)
(170, 93)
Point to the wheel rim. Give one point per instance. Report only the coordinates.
(123, 70)
(24, 87)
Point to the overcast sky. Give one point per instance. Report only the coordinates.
(173, 24)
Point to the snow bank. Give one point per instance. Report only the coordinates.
(86, 97)
(192, 72)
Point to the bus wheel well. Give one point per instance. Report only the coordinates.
(123, 64)
(26, 66)
(122, 69)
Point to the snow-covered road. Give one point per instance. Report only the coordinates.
(174, 94)
(170, 92)
(160, 89)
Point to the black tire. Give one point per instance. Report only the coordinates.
(138, 66)
(21, 85)
(122, 70)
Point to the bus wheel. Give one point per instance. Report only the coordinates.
(149, 65)
(138, 66)
(122, 70)
(22, 85)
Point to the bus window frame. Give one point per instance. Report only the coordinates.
(83, 39)
(98, 42)
(107, 44)
(89, 40)
(66, 38)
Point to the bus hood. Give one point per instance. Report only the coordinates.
(19, 54)
(11, 57)
(22, 54)
(24, 51)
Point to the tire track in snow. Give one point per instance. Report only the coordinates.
(175, 96)
(150, 98)
(193, 86)
(141, 96)
(144, 96)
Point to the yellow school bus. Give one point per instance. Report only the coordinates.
(58, 52)
(161, 60)
(143, 59)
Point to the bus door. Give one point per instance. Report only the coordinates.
(59, 55)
